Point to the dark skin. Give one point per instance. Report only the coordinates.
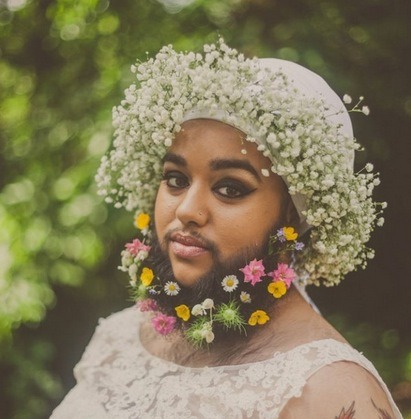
(210, 191)
(342, 390)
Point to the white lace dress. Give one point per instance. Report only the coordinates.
(118, 378)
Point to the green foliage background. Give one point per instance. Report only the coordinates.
(64, 65)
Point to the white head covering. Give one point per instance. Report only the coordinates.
(308, 84)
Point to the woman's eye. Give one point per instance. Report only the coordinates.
(233, 190)
(175, 180)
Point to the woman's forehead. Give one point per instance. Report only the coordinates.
(215, 138)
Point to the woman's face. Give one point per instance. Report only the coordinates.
(213, 201)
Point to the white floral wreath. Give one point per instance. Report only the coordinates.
(307, 149)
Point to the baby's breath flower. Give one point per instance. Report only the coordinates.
(304, 146)
(347, 99)
(365, 110)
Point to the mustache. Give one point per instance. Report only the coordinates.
(209, 244)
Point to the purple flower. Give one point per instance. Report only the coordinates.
(299, 246)
(280, 235)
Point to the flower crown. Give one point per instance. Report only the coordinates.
(292, 130)
(199, 321)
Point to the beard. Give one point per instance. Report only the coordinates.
(209, 286)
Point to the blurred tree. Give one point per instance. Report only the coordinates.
(64, 64)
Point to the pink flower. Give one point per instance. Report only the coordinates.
(253, 271)
(147, 305)
(136, 246)
(163, 324)
(283, 273)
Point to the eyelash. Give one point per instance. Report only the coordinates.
(227, 183)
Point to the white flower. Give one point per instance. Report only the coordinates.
(304, 146)
(380, 222)
(365, 110)
(245, 297)
(198, 310)
(369, 167)
(347, 99)
(171, 288)
(132, 271)
(208, 303)
(208, 335)
(207, 332)
(265, 172)
(229, 283)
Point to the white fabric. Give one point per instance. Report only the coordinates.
(117, 378)
(309, 85)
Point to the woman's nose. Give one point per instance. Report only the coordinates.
(193, 208)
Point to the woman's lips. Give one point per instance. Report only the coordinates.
(187, 246)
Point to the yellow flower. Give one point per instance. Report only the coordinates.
(147, 276)
(277, 288)
(258, 317)
(290, 233)
(142, 221)
(183, 312)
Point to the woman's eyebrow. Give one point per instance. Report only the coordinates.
(220, 164)
(175, 158)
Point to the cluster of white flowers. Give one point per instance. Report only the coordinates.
(293, 131)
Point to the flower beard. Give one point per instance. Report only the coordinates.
(209, 286)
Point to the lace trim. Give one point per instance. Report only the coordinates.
(132, 383)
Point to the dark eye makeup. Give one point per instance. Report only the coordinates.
(227, 188)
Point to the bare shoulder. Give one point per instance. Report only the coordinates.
(342, 390)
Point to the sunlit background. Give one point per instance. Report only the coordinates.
(64, 64)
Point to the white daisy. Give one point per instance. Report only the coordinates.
(171, 288)
(229, 283)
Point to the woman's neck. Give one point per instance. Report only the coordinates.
(292, 323)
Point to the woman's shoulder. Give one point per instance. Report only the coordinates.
(130, 315)
(112, 334)
(343, 384)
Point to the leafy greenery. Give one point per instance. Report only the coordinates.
(63, 65)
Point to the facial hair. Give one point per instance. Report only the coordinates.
(209, 286)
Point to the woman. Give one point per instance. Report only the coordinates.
(241, 175)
